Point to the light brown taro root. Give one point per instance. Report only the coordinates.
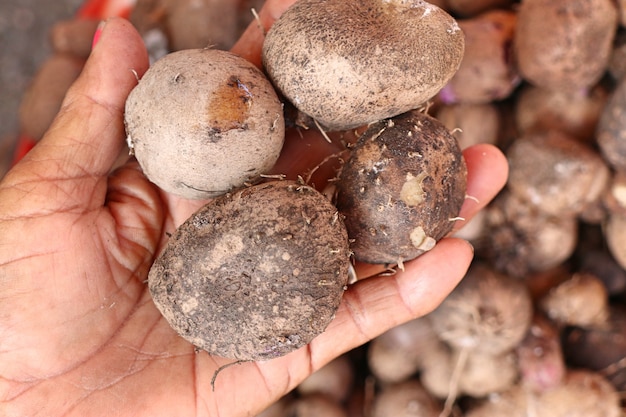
(405, 399)
(487, 312)
(399, 353)
(520, 239)
(43, 97)
(448, 373)
(582, 394)
(582, 301)
(487, 71)
(611, 135)
(471, 124)
(188, 24)
(401, 189)
(350, 63)
(576, 113)
(202, 122)
(556, 173)
(614, 199)
(255, 274)
(201, 23)
(564, 44)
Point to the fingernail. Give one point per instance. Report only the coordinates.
(96, 36)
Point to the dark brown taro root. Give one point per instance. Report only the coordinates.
(255, 274)
(402, 188)
(600, 348)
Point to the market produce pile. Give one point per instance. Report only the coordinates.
(537, 326)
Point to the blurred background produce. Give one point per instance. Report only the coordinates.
(24, 45)
(539, 326)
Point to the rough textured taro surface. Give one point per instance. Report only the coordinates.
(402, 188)
(203, 121)
(349, 63)
(255, 274)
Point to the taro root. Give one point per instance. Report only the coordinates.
(601, 348)
(564, 44)
(201, 23)
(520, 239)
(611, 135)
(471, 124)
(540, 357)
(487, 312)
(487, 72)
(400, 352)
(485, 374)
(255, 274)
(401, 188)
(350, 63)
(188, 24)
(449, 372)
(582, 300)
(556, 173)
(405, 399)
(615, 234)
(614, 199)
(574, 112)
(582, 394)
(202, 122)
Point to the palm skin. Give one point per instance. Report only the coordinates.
(79, 334)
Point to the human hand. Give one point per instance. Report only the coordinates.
(79, 334)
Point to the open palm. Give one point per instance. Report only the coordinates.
(79, 334)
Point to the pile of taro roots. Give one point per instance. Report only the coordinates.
(538, 325)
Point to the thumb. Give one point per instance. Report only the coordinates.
(88, 133)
